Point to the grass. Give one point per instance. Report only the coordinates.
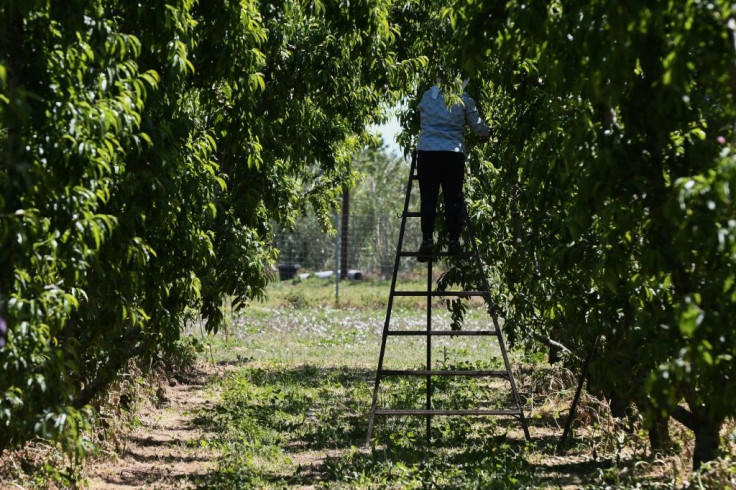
(305, 426)
(296, 383)
(313, 292)
(297, 394)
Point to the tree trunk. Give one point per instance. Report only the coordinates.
(619, 405)
(659, 436)
(706, 430)
(707, 441)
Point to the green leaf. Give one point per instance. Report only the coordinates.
(690, 318)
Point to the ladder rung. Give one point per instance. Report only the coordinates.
(476, 333)
(412, 214)
(439, 293)
(465, 255)
(415, 177)
(389, 411)
(446, 372)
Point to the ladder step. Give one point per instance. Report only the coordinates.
(412, 214)
(439, 293)
(446, 372)
(389, 411)
(465, 255)
(475, 333)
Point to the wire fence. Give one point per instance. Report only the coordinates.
(371, 246)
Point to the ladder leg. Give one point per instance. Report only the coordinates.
(494, 317)
(429, 349)
(581, 381)
(372, 417)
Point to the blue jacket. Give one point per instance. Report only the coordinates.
(442, 128)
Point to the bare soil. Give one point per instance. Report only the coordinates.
(169, 449)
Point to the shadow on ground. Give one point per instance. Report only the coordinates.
(302, 426)
(166, 450)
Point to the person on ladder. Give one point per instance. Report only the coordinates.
(441, 162)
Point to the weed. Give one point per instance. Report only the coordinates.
(42, 464)
(298, 387)
(183, 355)
(267, 411)
(39, 464)
(296, 412)
(297, 299)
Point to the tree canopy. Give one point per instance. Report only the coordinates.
(147, 148)
(611, 172)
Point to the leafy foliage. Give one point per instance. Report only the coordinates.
(146, 148)
(604, 203)
(380, 183)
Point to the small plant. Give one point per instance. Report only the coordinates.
(40, 464)
(297, 299)
(182, 355)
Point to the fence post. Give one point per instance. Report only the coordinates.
(337, 258)
(344, 233)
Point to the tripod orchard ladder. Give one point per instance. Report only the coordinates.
(428, 411)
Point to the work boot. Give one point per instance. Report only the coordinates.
(425, 250)
(454, 248)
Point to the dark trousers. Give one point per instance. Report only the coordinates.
(446, 169)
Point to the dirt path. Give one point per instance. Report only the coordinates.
(166, 450)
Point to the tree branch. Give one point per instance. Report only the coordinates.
(109, 371)
(553, 344)
(685, 417)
